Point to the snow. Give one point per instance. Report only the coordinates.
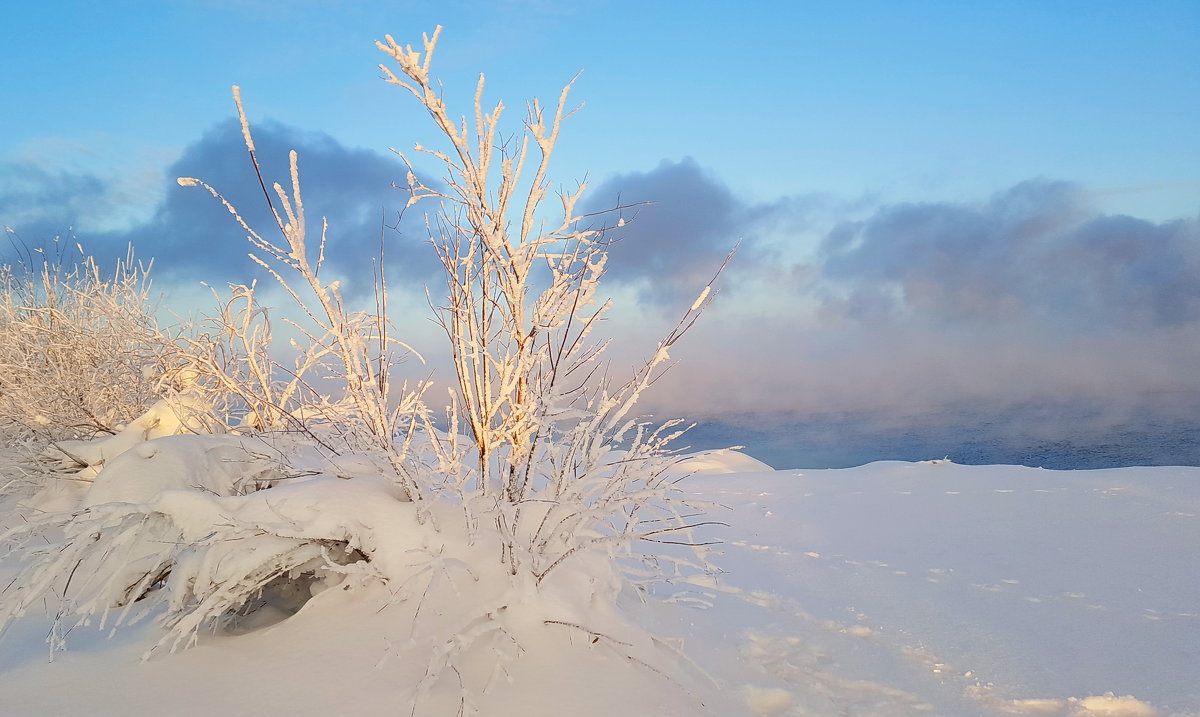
(163, 419)
(979, 589)
(887, 589)
(766, 700)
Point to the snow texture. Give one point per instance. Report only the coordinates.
(888, 589)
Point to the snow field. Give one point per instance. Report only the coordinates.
(888, 589)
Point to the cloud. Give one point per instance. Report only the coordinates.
(1031, 294)
(192, 237)
(1035, 252)
(670, 248)
(38, 204)
(192, 234)
(831, 304)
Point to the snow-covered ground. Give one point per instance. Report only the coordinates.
(887, 589)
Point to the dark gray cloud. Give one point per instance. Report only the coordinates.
(192, 237)
(1036, 252)
(670, 247)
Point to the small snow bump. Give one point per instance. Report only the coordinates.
(766, 700)
(1109, 705)
(1036, 706)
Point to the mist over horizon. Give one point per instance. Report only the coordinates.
(1075, 434)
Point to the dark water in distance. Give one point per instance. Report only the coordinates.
(1048, 435)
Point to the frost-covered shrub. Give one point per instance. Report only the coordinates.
(353, 346)
(522, 298)
(80, 351)
(213, 533)
(233, 368)
(540, 504)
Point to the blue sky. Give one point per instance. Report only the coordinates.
(996, 198)
(919, 100)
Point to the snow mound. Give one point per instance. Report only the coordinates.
(766, 700)
(722, 461)
(165, 418)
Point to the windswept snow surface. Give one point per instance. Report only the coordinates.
(888, 589)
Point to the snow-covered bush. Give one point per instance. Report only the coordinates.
(81, 356)
(353, 346)
(541, 502)
(542, 425)
(80, 350)
(232, 365)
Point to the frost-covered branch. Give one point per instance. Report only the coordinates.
(359, 342)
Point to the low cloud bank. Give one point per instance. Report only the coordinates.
(1035, 252)
(831, 304)
(1030, 295)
